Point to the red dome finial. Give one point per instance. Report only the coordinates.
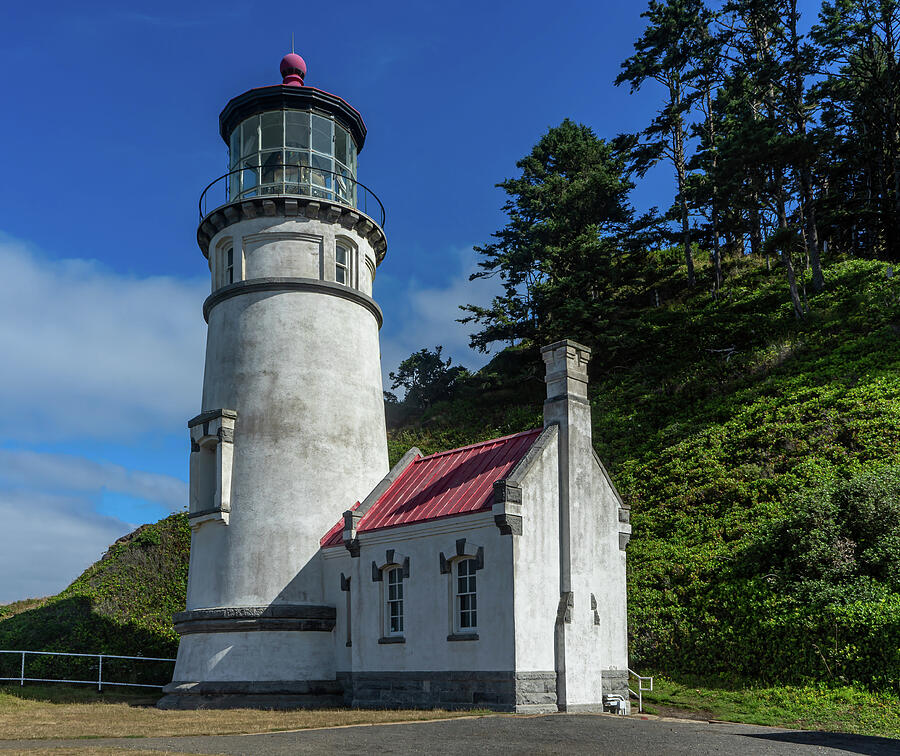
(293, 70)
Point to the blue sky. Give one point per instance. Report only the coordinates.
(110, 132)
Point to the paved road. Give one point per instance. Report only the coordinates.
(552, 734)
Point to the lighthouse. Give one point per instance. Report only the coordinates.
(290, 429)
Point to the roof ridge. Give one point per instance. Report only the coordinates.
(480, 443)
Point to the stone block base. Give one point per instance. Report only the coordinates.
(288, 694)
(531, 692)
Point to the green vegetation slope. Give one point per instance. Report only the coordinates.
(757, 453)
(721, 422)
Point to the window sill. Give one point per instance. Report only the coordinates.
(392, 639)
(462, 637)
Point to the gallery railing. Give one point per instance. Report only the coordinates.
(283, 179)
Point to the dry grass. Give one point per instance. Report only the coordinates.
(94, 751)
(25, 718)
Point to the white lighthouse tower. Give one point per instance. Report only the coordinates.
(291, 430)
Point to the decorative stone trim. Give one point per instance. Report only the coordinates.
(566, 370)
(507, 507)
(467, 549)
(462, 637)
(257, 285)
(566, 606)
(624, 538)
(304, 617)
(391, 556)
(345, 582)
(212, 445)
(314, 208)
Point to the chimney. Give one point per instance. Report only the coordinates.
(567, 406)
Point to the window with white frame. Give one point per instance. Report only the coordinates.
(343, 264)
(228, 265)
(466, 598)
(393, 615)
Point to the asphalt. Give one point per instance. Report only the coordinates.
(549, 734)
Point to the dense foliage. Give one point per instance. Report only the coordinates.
(425, 378)
(732, 429)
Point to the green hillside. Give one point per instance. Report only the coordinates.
(122, 604)
(718, 420)
(756, 452)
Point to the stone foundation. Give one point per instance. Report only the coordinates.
(497, 691)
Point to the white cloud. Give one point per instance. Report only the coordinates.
(91, 353)
(70, 475)
(432, 315)
(47, 540)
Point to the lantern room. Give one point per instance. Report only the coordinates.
(292, 140)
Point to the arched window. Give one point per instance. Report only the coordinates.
(466, 596)
(345, 268)
(228, 265)
(461, 570)
(391, 573)
(225, 264)
(393, 610)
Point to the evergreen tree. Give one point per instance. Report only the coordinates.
(557, 255)
(861, 41)
(670, 52)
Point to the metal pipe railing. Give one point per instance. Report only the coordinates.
(99, 682)
(639, 693)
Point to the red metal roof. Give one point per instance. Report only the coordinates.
(455, 482)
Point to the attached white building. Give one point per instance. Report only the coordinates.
(489, 576)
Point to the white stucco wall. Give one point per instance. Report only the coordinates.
(302, 370)
(272, 655)
(610, 577)
(298, 248)
(536, 564)
(428, 600)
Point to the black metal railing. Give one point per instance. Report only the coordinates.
(284, 179)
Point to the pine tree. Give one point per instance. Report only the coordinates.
(556, 256)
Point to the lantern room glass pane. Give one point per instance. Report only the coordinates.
(249, 140)
(293, 152)
(249, 176)
(296, 162)
(271, 128)
(341, 137)
(234, 148)
(321, 134)
(272, 171)
(296, 129)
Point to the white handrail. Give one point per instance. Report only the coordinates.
(99, 682)
(639, 694)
